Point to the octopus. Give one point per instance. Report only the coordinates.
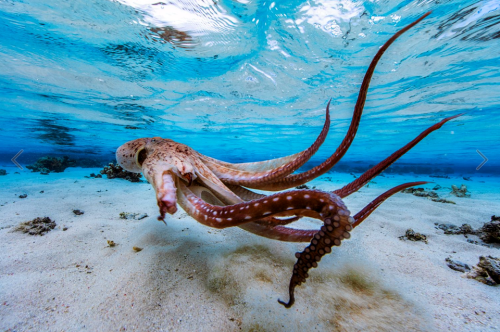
(219, 194)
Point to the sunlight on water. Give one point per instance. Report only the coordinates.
(228, 77)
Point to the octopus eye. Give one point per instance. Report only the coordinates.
(141, 156)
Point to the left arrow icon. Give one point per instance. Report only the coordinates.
(14, 159)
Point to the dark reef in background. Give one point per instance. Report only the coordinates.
(45, 165)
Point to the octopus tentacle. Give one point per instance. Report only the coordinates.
(331, 234)
(301, 178)
(243, 193)
(220, 167)
(317, 202)
(245, 178)
(258, 166)
(228, 197)
(336, 228)
(380, 167)
(367, 210)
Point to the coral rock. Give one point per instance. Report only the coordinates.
(113, 171)
(462, 192)
(457, 265)
(37, 226)
(45, 165)
(413, 236)
(486, 271)
(490, 232)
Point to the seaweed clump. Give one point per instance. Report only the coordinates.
(113, 171)
(45, 165)
(3, 172)
(37, 226)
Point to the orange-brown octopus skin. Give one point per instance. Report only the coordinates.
(216, 194)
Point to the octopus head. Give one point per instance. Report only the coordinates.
(132, 154)
(161, 161)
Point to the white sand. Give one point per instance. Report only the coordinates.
(192, 278)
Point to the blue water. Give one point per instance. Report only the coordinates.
(249, 80)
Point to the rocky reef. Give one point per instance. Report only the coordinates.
(37, 226)
(45, 165)
(113, 171)
(3, 172)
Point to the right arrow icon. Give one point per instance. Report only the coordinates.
(484, 161)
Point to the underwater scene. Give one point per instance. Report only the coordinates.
(250, 165)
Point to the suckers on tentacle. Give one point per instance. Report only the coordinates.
(336, 228)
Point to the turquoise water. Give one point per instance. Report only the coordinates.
(249, 80)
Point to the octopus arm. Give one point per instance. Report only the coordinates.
(219, 166)
(331, 234)
(367, 210)
(245, 194)
(319, 203)
(227, 196)
(380, 167)
(218, 188)
(245, 178)
(294, 180)
(259, 166)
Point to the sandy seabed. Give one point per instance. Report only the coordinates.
(189, 277)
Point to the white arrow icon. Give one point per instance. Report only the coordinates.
(484, 161)
(14, 159)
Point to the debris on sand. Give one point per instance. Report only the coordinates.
(413, 236)
(3, 172)
(462, 192)
(488, 233)
(45, 165)
(136, 249)
(78, 212)
(95, 176)
(437, 187)
(111, 243)
(457, 265)
(113, 171)
(455, 230)
(432, 195)
(440, 176)
(136, 216)
(23, 196)
(486, 271)
(37, 226)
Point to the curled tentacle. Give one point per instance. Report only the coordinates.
(259, 166)
(336, 228)
(294, 180)
(380, 167)
(367, 210)
(246, 178)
